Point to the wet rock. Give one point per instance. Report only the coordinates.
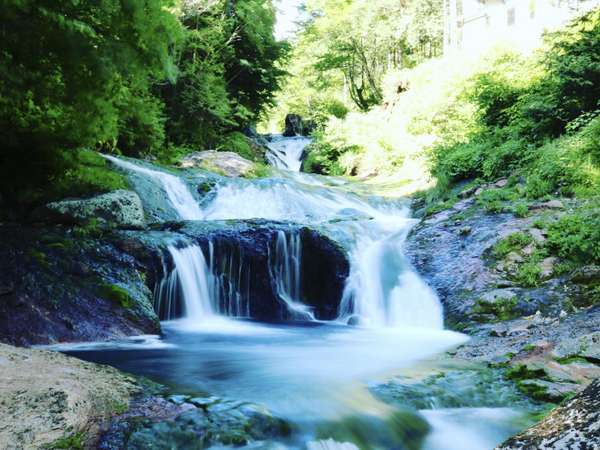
(586, 275)
(121, 209)
(551, 204)
(158, 426)
(587, 346)
(468, 192)
(547, 391)
(573, 425)
(464, 231)
(227, 163)
(69, 288)
(538, 235)
(498, 295)
(454, 388)
(248, 250)
(401, 429)
(294, 125)
(501, 183)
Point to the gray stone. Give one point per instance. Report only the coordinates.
(501, 183)
(120, 208)
(551, 204)
(498, 294)
(586, 275)
(587, 346)
(538, 235)
(573, 425)
(549, 390)
(547, 266)
(228, 163)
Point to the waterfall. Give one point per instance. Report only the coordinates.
(286, 153)
(178, 194)
(197, 290)
(228, 278)
(193, 278)
(382, 290)
(286, 273)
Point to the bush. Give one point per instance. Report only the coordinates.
(511, 243)
(88, 175)
(577, 236)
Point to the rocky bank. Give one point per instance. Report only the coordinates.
(535, 323)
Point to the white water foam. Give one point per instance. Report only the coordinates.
(177, 191)
(286, 153)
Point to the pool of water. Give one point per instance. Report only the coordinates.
(310, 374)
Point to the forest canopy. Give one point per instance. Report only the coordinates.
(138, 77)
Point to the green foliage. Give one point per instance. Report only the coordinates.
(522, 372)
(511, 243)
(529, 273)
(151, 77)
(344, 50)
(75, 441)
(576, 236)
(501, 309)
(89, 174)
(229, 65)
(91, 229)
(493, 200)
(237, 142)
(117, 295)
(66, 67)
(523, 106)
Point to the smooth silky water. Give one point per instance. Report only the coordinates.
(311, 372)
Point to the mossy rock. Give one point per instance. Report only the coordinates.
(117, 294)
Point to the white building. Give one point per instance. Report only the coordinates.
(474, 25)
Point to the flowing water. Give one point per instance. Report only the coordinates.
(309, 371)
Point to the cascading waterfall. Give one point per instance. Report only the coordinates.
(197, 290)
(286, 153)
(178, 193)
(286, 273)
(229, 284)
(194, 281)
(382, 290)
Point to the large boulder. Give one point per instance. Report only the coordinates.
(574, 425)
(120, 209)
(227, 163)
(58, 286)
(50, 400)
(294, 126)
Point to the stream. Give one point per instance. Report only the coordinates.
(331, 379)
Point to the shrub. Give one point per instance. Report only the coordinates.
(511, 243)
(577, 236)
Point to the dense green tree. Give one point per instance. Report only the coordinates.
(229, 70)
(67, 69)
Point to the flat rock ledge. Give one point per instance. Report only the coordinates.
(574, 425)
(227, 163)
(46, 396)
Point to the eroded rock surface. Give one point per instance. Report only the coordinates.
(574, 426)
(120, 208)
(46, 396)
(59, 284)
